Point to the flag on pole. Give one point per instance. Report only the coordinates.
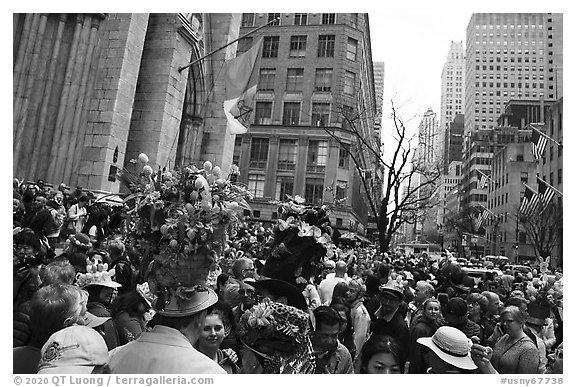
(240, 82)
(479, 221)
(538, 144)
(483, 180)
(529, 201)
(545, 191)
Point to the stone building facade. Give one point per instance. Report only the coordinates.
(92, 91)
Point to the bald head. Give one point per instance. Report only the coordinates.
(340, 269)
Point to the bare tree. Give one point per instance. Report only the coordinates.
(408, 184)
(542, 227)
(462, 223)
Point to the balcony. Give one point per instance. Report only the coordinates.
(315, 168)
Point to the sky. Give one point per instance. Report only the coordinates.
(414, 48)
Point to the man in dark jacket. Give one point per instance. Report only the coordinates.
(389, 319)
(457, 317)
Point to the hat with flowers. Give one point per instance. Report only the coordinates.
(97, 274)
(280, 334)
(301, 243)
(179, 223)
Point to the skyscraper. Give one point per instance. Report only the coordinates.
(427, 150)
(452, 94)
(510, 56)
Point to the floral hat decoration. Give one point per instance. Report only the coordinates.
(302, 240)
(280, 334)
(179, 222)
(97, 274)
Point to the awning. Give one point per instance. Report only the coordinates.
(353, 236)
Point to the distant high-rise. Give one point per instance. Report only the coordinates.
(427, 150)
(379, 82)
(510, 56)
(452, 94)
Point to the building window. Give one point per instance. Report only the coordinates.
(300, 19)
(266, 79)
(328, 18)
(323, 80)
(349, 82)
(341, 188)
(339, 222)
(237, 150)
(272, 16)
(291, 114)
(294, 79)
(524, 177)
(287, 155)
(247, 20)
(351, 49)
(314, 191)
(326, 46)
(343, 157)
(320, 114)
(263, 114)
(348, 117)
(284, 186)
(259, 153)
(559, 176)
(244, 44)
(298, 46)
(256, 185)
(270, 47)
(317, 156)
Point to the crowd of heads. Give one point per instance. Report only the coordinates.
(271, 314)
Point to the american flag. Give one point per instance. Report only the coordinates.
(529, 202)
(483, 180)
(545, 192)
(538, 144)
(479, 221)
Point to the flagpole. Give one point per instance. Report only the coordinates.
(530, 188)
(545, 135)
(553, 189)
(180, 69)
(493, 214)
(488, 177)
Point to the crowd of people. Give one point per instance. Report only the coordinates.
(281, 298)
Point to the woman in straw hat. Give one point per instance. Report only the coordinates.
(449, 352)
(102, 292)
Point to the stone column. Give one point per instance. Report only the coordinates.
(217, 143)
(111, 107)
(159, 97)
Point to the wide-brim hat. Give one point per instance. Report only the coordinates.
(185, 301)
(279, 288)
(452, 346)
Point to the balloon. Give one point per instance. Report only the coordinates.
(143, 157)
(207, 166)
(147, 170)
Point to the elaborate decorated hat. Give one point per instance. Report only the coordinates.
(281, 335)
(302, 241)
(180, 222)
(97, 274)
